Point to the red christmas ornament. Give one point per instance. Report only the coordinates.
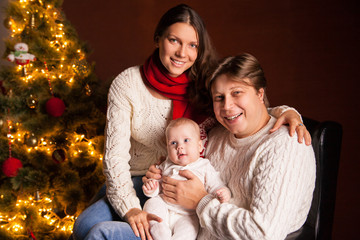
(11, 166)
(59, 155)
(55, 107)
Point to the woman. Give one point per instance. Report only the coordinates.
(271, 175)
(141, 101)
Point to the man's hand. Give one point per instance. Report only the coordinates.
(153, 172)
(186, 193)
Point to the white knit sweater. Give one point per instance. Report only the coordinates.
(135, 136)
(271, 177)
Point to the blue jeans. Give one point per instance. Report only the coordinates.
(100, 221)
(111, 230)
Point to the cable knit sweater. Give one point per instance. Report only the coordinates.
(135, 136)
(271, 177)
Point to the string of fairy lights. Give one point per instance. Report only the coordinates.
(44, 209)
(65, 71)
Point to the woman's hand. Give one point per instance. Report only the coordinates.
(295, 124)
(186, 193)
(139, 222)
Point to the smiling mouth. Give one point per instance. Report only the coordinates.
(177, 62)
(233, 117)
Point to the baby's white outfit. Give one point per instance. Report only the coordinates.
(178, 222)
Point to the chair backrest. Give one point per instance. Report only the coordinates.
(326, 141)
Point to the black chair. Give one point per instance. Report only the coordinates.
(326, 141)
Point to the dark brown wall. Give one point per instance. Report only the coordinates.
(308, 49)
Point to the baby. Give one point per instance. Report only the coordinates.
(184, 147)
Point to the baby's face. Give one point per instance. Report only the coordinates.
(183, 144)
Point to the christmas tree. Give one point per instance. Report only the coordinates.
(51, 125)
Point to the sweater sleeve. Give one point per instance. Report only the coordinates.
(283, 180)
(279, 110)
(119, 186)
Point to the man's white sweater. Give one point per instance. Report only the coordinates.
(271, 177)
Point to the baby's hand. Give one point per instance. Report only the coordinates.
(150, 186)
(223, 194)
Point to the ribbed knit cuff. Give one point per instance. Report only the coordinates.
(203, 202)
(129, 204)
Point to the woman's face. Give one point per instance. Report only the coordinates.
(178, 48)
(238, 106)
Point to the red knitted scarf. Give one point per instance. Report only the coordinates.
(174, 88)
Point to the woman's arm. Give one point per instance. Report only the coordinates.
(119, 187)
(120, 191)
(289, 115)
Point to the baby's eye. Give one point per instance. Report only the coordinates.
(187, 140)
(173, 143)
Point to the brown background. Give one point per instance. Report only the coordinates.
(308, 49)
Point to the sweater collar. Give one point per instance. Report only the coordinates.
(236, 142)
